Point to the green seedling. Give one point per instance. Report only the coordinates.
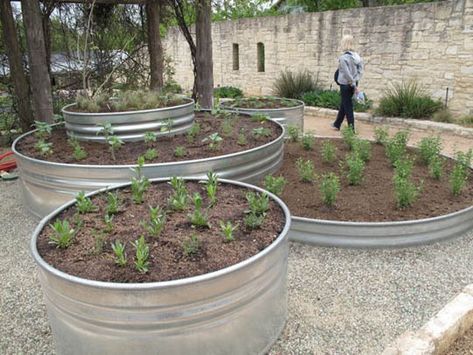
(167, 126)
(63, 234)
(84, 204)
(179, 199)
(429, 147)
(274, 184)
(305, 169)
(242, 138)
(142, 255)
(108, 220)
(308, 141)
(328, 152)
(119, 251)
(396, 146)
(329, 188)
(405, 191)
(403, 167)
(113, 204)
(362, 148)
(44, 148)
(258, 203)
(211, 187)
(381, 135)
(349, 136)
(78, 152)
(115, 143)
(193, 132)
(356, 168)
(198, 218)
(254, 221)
(180, 151)
(458, 179)
(151, 154)
(227, 127)
(156, 222)
(105, 130)
(261, 132)
(43, 130)
(191, 245)
(214, 141)
(436, 167)
(293, 133)
(139, 183)
(227, 229)
(259, 117)
(99, 241)
(150, 138)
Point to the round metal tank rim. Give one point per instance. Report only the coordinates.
(301, 103)
(160, 284)
(96, 166)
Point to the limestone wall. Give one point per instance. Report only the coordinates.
(432, 43)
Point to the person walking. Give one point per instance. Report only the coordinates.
(350, 71)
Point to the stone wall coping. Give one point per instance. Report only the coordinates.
(397, 121)
(440, 332)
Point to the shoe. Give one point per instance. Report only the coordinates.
(334, 127)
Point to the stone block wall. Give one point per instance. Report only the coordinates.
(431, 43)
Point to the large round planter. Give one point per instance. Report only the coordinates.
(129, 125)
(47, 185)
(240, 309)
(285, 116)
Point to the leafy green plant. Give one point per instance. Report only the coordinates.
(305, 169)
(261, 132)
(108, 220)
(274, 184)
(119, 251)
(259, 117)
(167, 125)
(308, 141)
(329, 188)
(191, 245)
(115, 143)
(294, 85)
(331, 99)
(43, 130)
(198, 218)
(227, 229)
(242, 137)
(405, 191)
(105, 130)
(78, 152)
(139, 183)
(151, 154)
(230, 92)
(349, 136)
(142, 255)
(258, 203)
(293, 133)
(84, 204)
(381, 135)
(362, 148)
(113, 203)
(356, 168)
(179, 198)
(457, 179)
(63, 234)
(156, 222)
(227, 127)
(396, 147)
(99, 241)
(214, 141)
(150, 138)
(429, 147)
(193, 132)
(328, 152)
(254, 221)
(44, 148)
(180, 151)
(436, 167)
(403, 167)
(211, 187)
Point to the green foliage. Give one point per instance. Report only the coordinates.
(99, 241)
(179, 198)
(113, 203)
(356, 168)
(167, 125)
(119, 251)
(198, 218)
(63, 234)
(261, 132)
(331, 99)
(308, 141)
(305, 169)
(329, 188)
(211, 187)
(274, 184)
(115, 143)
(466, 121)
(316, 6)
(139, 183)
(180, 151)
(293, 133)
(91, 104)
(106, 129)
(43, 130)
(294, 85)
(407, 100)
(78, 152)
(227, 229)
(214, 141)
(349, 136)
(242, 137)
(362, 148)
(381, 135)
(156, 222)
(254, 221)
(405, 191)
(396, 147)
(328, 152)
(403, 167)
(460, 172)
(142, 255)
(231, 92)
(258, 203)
(151, 154)
(108, 220)
(259, 117)
(436, 167)
(429, 147)
(84, 204)
(227, 127)
(44, 148)
(443, 115)
(193, 132)
(191, 245)
(150, 137)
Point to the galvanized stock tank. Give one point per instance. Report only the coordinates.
(129, 125)
(47, 185)
(240, 309)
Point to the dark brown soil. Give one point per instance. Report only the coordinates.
(167, 258)
(373, 200)
(110, 108)
(99, 153)
(261, 103)
(463, 345)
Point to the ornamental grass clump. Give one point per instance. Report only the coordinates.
(179, 199)
(308, 141)
(294, 85)
(305, 169)
(63, 234)
(328, 152)
(329, 188)
(356, 168)
(275, 184)
(119, 253)
(139, 183)
(227, 229)
(396, 147)
(84, 204)
(429, 148)
(156, 222)
(142, 255)
(381, 135)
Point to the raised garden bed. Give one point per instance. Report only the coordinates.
(187, 283)
(50, 179)
(284, 111)
(367, 215)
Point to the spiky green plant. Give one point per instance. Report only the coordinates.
(63, 234)
(142, 255)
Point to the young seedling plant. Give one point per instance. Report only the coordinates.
(328, 152)
(356, 167)
(214, 141)
(308, 141)
(460, 172)
(108, 220)
(150, 138)
(105, 130)
(139, 183)
(259, 117)
(258, 205)
(78, 152)
(193, 132)
(156, 222)
(84, 204)
(63, 234)
(227, 229)
(43, 130)
(142, 255)
(44, 148)
(293, 133)
(349, 136)
(167, 126)
(381, 135)
(429, 147)
(119, 252)
(180, 151)
(179, 199)
(329, 188)
(115, 143)
(306, 170)
(211, 187)
(405, 191)
(261, 132)
(242, 137)
(274, 184)
(362, 148)
(113, 203)
(396, 146)
(191, 245)
(198, 218)
(151, 154)
(436, 167)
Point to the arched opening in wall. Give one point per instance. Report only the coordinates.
(260, 53)
(236, 56)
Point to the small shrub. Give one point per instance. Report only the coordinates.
(405, 191)
(429, 147)
(396, 146)
(328, 152)
(356, 167)
(362, 147)
(349, 136)
(230, 92)
(466, 121)
(63, 234)
(274, 184)
(457, 179)
(119, 251)
(191, 245)
(329, 188)
(227, 230)
(294, 85)
(305, 169)
(381, 135)
(403, 167)
(151, 154)
(444, 116)
(180, 151)
(308, 141)
(293, 133)
(436, 167)
(142, 255)
(84, 204)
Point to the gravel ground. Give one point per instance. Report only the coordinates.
(340, 301)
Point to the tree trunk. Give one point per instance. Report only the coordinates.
(18, 77)
(155, 48)
(40, 80)
(204, 62)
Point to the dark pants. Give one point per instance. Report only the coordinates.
(346, 107)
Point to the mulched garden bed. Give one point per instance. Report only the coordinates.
(99, 153)
(463, 345)
(261, 103)
(373, 200)
(168, 260)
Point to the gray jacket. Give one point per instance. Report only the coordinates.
(350, 68)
